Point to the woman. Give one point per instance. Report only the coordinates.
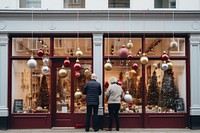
(114, 94)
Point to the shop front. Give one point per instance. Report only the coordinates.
(49, 94)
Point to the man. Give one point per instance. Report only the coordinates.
(92, 90)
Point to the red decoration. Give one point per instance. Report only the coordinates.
(119, 82)
(77, 66)
(67, 63)
(77, 74)
(135, 66)
(123, 52)
(106, 85)
(40, 52)
(164, 56)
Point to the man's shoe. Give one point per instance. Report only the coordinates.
(109, 129)
(86, 130)
(96, 130)
(117, 129)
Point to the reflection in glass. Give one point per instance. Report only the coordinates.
(130, 80)
(31, 87)
(165, 88)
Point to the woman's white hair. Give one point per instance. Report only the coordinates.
(93, 76)
(113, 80)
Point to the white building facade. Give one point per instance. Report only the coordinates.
(99, 29)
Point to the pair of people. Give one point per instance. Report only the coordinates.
(114, 93)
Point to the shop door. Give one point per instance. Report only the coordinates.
(69, 106)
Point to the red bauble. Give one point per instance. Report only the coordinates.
(123, 52)
(106, 85)
(135, 66)
(66, 63)
(77, 66)
(40, 52)
(164, 57)
(119, 82)
(77, 74)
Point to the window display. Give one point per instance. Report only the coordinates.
(31, 87)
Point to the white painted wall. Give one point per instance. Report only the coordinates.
(103, 4)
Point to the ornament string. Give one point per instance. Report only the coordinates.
(77, 28)
(32, 31)
(173, 23)
(108, 34)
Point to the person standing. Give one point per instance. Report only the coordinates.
(92, 90)
(114, 93)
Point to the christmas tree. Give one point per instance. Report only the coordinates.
(139, 92)
(43, 99)
(59, 88)
(153, 91)
(169, 92)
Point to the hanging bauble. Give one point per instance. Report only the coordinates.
(143, 59)
(45, 61)
(164, 56)
(173, 44)
(78, 94)
(77, 74)
(62, 72)
(127, 97)
(45, 70)
(87, 72)
(135, 66)
(123, 52)
(40, 52)
(164, 66)
(170, 65)
(108, 65)
(66, 62)
(106, 85)
(79, 53)
(32, 63)
(127, 75)
(119, 82)
(130, 55)
(133, 72)
(77, 65)
(129, 45)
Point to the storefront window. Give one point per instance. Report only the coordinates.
(112, 46)
(29, 46)
(81, 78)
(156, 46)
(69, 46)
(130, 80)
(30, 88)
(166, 90)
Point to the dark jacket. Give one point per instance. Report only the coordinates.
(92, 90)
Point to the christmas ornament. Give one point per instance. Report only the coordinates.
(173, 44)
(66, 62)
(77, 74)
(164, 66)
(143, 59)
(77, 65)
(62, 72)
(40, 52)
(45, 70)
(129, 45)
(170, 65)
(123, 52)
(164, 56)
(155, 65)
(32, 63)
(119, 82)
(127, 97)
(87, 72)
(133, 72)
(108, 65)
(135, 66)
(45, 61)
(106, 85)
(79, 53)
(78, 94)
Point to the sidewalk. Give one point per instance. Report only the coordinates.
(122, 130)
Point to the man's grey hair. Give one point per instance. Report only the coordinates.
(93, 76)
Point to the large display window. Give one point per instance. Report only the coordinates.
(30, 88)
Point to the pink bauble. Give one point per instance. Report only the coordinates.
(123, 52)
(77, 74)
(40, 52)
(119, 82)
(77, 66)
(164, 57)
(66, 63)
(135, 66)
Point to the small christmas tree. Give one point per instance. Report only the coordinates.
(59, 88)
(153, 91)
(139, 92)
(169, 92)
(43, 100)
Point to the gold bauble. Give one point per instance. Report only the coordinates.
(173, 44)
(79, 53)
(87, 72)
(78, 94)
(129, 45)
(108, 65)
(170, 65)
(62, 72)
(144, 60)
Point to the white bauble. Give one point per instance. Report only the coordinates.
(127, 97)
(32, 63)
(45, 70)
(164, 66)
